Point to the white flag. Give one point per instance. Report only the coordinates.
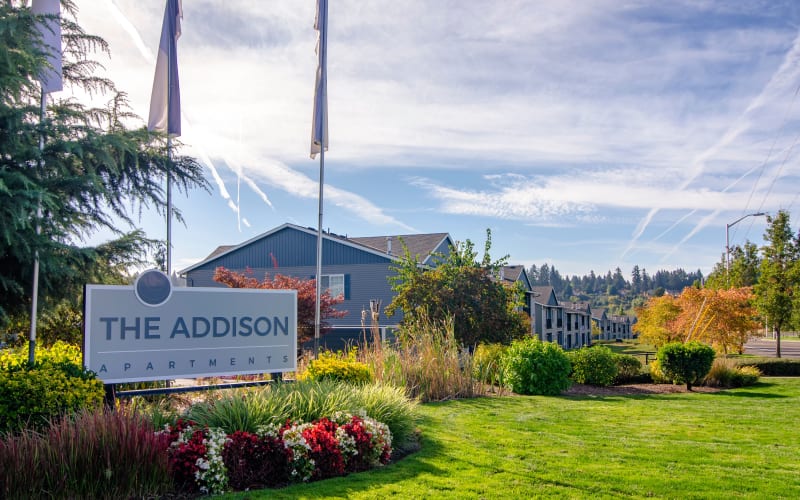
(319, 127)
(165, 101)
(50, 30)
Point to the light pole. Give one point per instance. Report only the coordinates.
(728, 243)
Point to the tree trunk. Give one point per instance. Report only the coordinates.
(777, 341)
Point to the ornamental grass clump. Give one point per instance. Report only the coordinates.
(486, 363)
(93, 454)
(725, 373)
(534, 367)
(428, 361)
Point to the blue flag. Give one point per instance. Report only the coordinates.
(165, 101)
(319, 127)
(50, 31)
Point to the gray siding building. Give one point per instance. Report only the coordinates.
(357, 268)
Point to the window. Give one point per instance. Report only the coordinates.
(333, 283)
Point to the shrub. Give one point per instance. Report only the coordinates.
(338, 366)
(629, 369)
(593, 365)
(686, 363)
(64, 322)
(725, 373)
(36, 394)
(98, 454)
(774, 367)
(534, 367)
(486, 365)
(59, 352)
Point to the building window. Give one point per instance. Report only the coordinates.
(333, 283)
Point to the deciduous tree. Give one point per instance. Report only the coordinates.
(484, 310)
(306, 298)
(656, 320)
(724, 319)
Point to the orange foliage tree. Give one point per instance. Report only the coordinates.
(306, 297)
(723, 318)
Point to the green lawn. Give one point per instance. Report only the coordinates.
(738, 443)
(632, 347)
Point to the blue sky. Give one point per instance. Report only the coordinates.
(585, 134)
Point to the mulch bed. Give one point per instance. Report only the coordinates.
(632, 389)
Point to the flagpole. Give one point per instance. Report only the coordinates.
(317, 311)
(51, 81)
(319, 136)
(169, 207)
(35, 291)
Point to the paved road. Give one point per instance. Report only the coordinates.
(766, 347)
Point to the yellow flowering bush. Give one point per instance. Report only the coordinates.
(338, 366)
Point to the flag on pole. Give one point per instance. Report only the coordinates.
(165, 102)
(319, 128)
(50, 30)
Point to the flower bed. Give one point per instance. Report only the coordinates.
(204, 460)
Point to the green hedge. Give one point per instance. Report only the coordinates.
(774, 367)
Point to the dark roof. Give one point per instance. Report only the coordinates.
(419, 245)
(542, 294)
(512, 274)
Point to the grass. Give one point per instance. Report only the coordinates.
(632, 347)
(736, 443)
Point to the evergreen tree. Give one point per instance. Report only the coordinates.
(92, 173)
(636, 279)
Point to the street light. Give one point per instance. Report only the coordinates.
(728, 244)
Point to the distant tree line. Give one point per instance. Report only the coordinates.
(613, 290)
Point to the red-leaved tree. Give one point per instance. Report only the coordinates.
(306, 297)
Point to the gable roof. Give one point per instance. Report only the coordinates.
(545, 295)
(420, 246)
(599, 313)
(423, 244)
(511, 274)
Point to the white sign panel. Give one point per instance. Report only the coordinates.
(156, 332)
